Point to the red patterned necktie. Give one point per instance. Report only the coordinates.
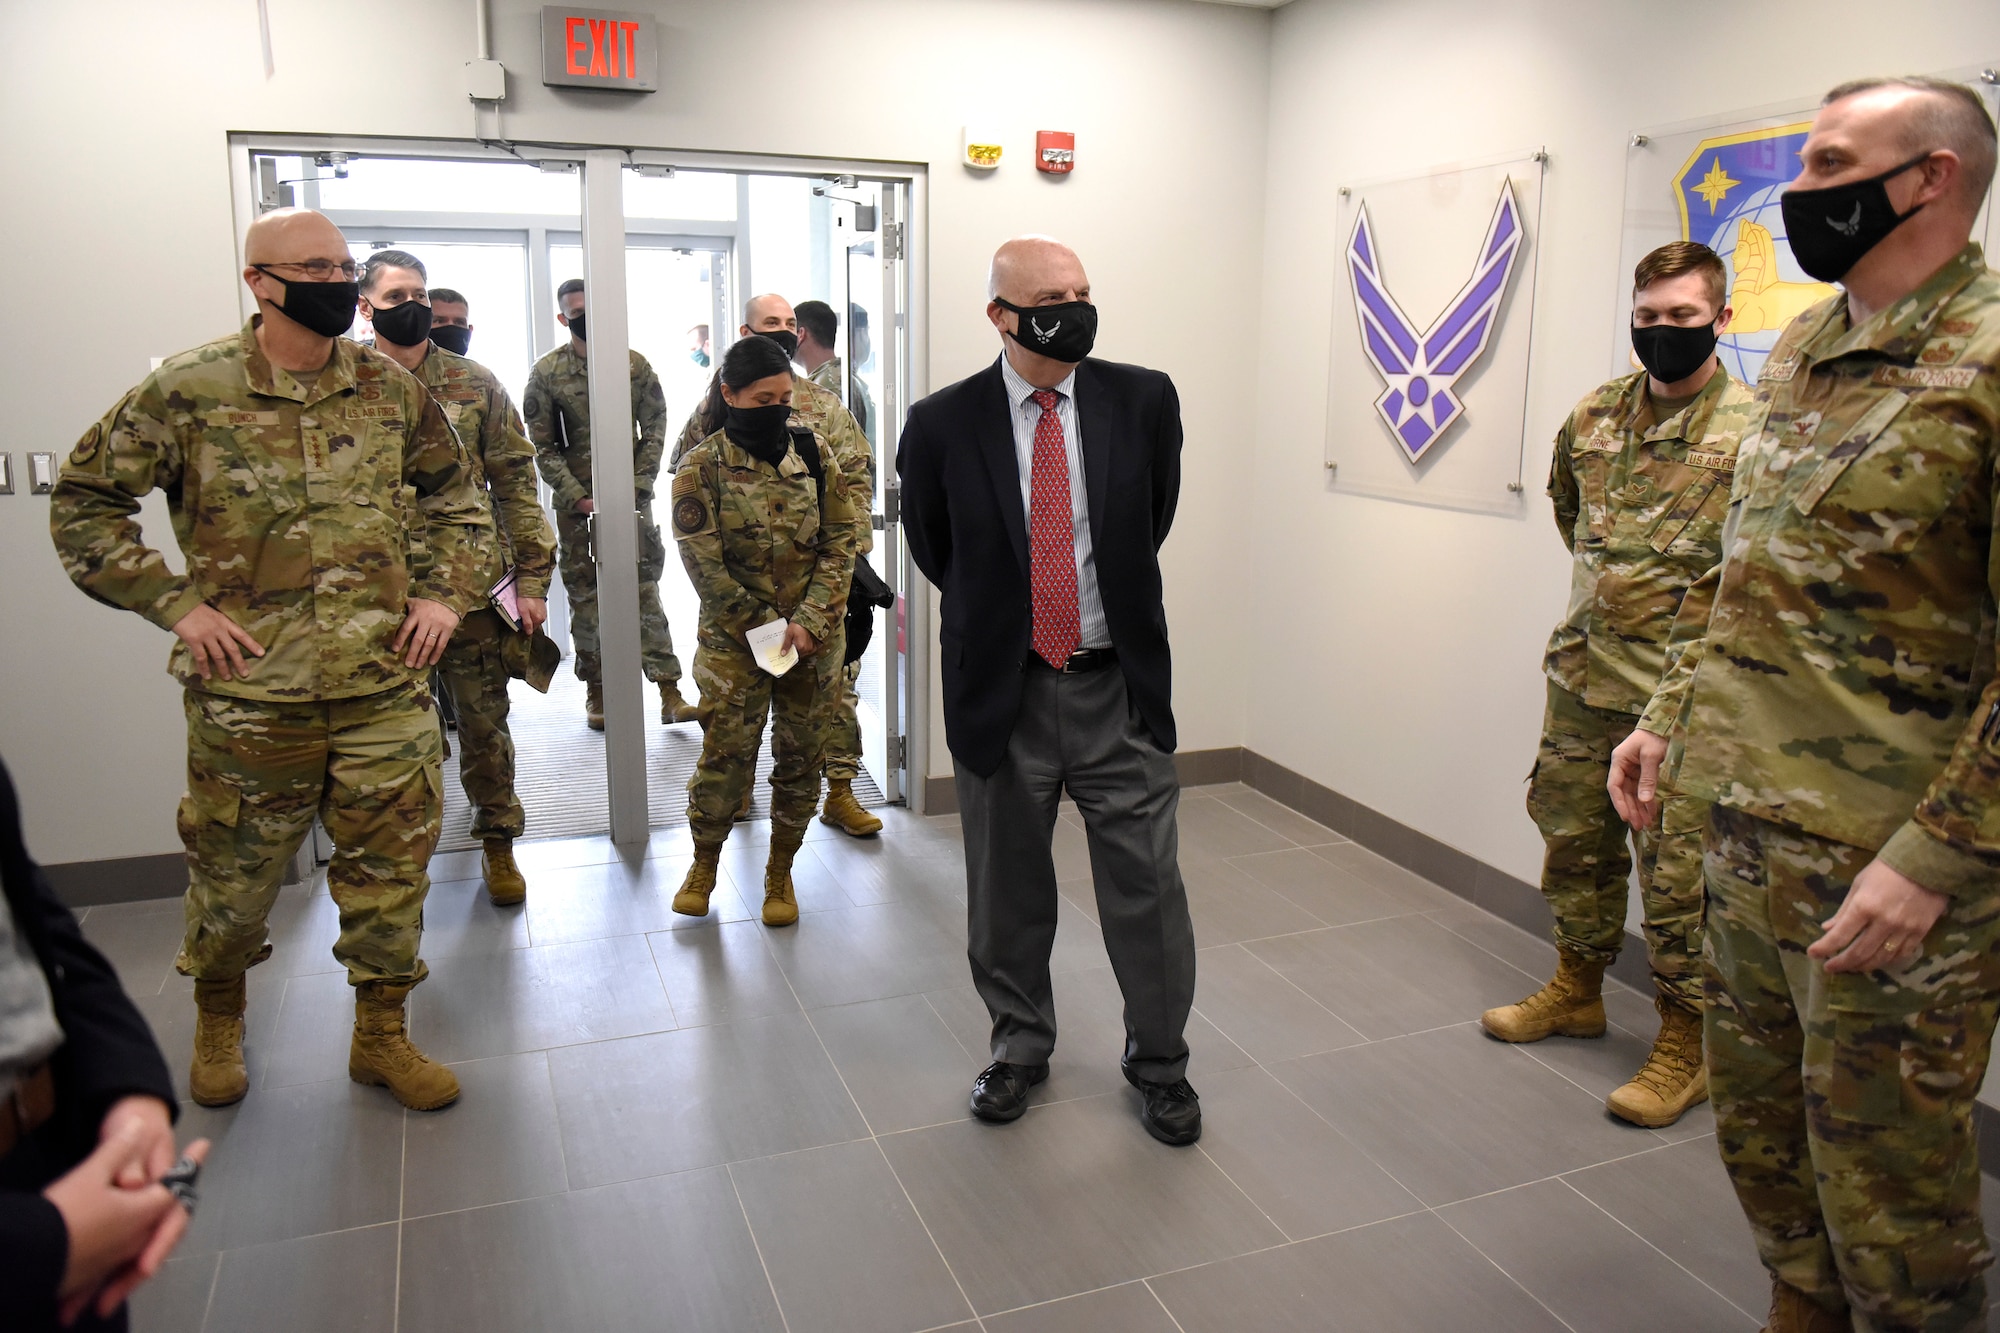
(1052, 540)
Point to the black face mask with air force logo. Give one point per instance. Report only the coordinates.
(1063, 332)
(1830, 229)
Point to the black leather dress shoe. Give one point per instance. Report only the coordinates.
(1170, 1112)
(1000, 1093)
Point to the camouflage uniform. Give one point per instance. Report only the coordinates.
(758, 544)
(310, 515)
(503, 463)
(1840, 702)
(859, 405)
(1639, 504)
(819, 408)
(557, 408)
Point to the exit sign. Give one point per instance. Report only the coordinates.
(599, 48)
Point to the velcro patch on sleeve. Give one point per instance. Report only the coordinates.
(689, 511)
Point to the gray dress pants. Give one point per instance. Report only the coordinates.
(1079, 732)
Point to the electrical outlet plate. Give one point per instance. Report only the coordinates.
(6, 473)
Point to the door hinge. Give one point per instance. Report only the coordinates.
(892, 240)
(899, 752)
(892, 504)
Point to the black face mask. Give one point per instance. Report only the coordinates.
(762, 432)
(405, 325)
(1830, 229)
(1063, 332)
(327, 308)
(1670, 353)
(785, 338)
(576, 326)
(452, 337)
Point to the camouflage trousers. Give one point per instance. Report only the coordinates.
(1588, 863)
(1843, 1102)
(741, 694)
(477, 679)
(579, 579)
(843, 728)
(257, 774)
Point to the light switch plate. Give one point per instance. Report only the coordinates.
(41, 473)
(6, 473)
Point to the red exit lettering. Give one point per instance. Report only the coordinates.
(601, 48)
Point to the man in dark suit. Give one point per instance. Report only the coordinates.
(86, 1116)
(1035, 496)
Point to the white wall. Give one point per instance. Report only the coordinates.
(1412, 682)
(117, 224)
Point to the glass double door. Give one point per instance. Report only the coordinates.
(686, 280)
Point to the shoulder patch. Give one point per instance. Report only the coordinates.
(87, 447)
(686, 482)
(1927, 377)
(691, 516)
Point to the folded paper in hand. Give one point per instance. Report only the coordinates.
(767, 645)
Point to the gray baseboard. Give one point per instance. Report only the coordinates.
(1197, 768)
(123, 879)
(1512, 900)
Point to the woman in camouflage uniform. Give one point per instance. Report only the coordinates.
(767, 528)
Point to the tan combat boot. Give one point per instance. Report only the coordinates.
(1673, 1077)
(1572, 1005)
(381, 1054)
(505, 884)
(218, 1077)
(593, 705)
(1792, 1311)
(843, 812)
(673, 708)
(692, 900)
(781, 904)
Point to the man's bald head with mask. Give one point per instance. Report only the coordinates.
(771, 316)
(1038, 298)
(297, 264)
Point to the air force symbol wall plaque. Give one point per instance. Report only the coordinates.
(1433, 303)
(1421, 368)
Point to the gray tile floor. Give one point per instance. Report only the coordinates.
(705, 1125)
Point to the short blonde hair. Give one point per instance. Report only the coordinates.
(1678, 257)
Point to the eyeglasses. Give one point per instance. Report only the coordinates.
(319, 270)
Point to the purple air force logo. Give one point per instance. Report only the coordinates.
(1420, 369)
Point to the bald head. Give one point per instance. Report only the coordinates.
(292, 235)
(768, 313)
(1034, 270)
